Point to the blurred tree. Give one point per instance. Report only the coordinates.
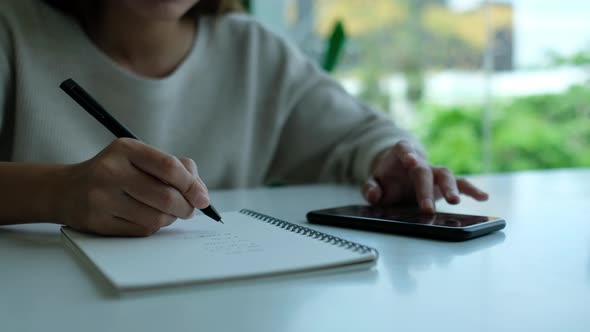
(452, 136)
(535, 132)
(580, 58)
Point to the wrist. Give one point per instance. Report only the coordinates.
(47, 197)
(54, 197)
(30, 193)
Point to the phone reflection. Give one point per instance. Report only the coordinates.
(406, 259)
(410, 214)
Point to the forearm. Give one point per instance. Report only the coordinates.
(29, 192)
(342, 136)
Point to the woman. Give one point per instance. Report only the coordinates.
(193, 81)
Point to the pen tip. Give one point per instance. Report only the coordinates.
(221, 221)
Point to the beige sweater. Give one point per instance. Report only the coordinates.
(245, 105)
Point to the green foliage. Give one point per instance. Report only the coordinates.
(536, 132)
(452, 136)
(580, 58)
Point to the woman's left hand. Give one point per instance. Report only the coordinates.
(402, 175)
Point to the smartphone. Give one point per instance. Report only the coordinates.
(409, 221)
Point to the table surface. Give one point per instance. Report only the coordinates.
(532, 276)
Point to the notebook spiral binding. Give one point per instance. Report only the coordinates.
(310, 232)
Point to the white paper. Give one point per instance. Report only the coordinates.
(201, 250)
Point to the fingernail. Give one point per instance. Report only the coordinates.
(372, 183)
(427, 205)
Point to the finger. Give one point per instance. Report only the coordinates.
(156, 194)
(445, 180)
(465, 187)
(167, 169)
(423, 184)
(372, 191)
(141, 214)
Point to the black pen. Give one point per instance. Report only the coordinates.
(99, 113)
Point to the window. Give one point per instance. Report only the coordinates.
(487, 85)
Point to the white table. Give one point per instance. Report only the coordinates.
(533, 276)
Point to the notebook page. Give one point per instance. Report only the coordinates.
(200, 250)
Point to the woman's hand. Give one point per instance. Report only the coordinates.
(402, 175)
(130, 189)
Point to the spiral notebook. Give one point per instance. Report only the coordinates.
(198, 250)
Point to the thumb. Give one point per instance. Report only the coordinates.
(191, 166)
(401, 156)
(372, 191)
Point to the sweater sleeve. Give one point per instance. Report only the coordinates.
(328, 135)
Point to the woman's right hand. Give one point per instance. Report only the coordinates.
(130, 189)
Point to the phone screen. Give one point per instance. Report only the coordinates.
(411, 215)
